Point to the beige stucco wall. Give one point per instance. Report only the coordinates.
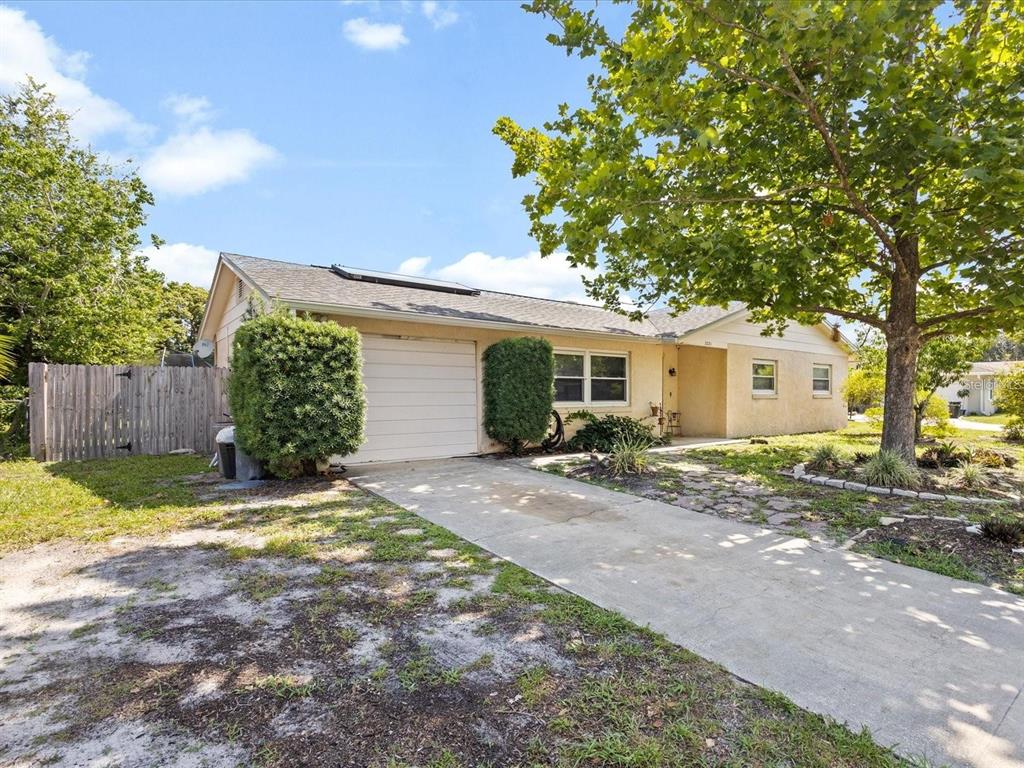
(795, 407)
(645, 361)
(235, 299)
(700, 391)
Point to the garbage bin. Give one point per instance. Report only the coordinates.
(226, 452)
(954, 410)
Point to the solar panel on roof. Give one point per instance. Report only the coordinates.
(406, 281)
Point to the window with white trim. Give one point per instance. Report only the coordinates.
(821, 379)
(764, 377)
(591, 377)
(569, 377)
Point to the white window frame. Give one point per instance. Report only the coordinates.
(583, 378)
(821, 392)
(775, 377)
(587, 400)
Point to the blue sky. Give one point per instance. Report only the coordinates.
(356, 133)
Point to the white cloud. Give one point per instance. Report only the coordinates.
(194, 159)
(193, 162)
(373, 36)
(414, 266)
(550, 277)
(439, 15)
(190, 110)
(27, 52)
(183, 262)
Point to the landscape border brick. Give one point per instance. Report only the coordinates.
(800, 473)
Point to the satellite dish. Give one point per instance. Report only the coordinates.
(203, 348)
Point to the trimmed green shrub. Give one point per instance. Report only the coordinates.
(889, 470)
(519, 391)
(601, 433)
(296, 391)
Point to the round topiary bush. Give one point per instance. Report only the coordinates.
(296, 391)
(519, 390)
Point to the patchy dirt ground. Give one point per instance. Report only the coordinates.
(313, 625)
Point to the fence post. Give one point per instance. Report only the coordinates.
(37, 383)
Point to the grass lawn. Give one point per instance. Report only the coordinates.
(98, 499)
(995, 418)
(309, 623)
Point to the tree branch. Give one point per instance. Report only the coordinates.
(765, 198)
(952, 316)
(976, 311)
(751, 79)
(937, 265)
(861, 317)
(839, 163)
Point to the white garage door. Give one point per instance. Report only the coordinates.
(420, 399)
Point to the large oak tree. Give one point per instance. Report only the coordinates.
(862, 160)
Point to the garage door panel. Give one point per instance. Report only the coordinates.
(399, 371)
(413, 386)
(379, 428)
(421, 400)
(401, 399)
(406, 453)
(417, 345)
(412, 359)
(419, 413)
(425, 440)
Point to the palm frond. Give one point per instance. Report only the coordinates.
(6, 356)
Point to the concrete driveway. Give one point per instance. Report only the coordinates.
(932, 666)
(982, 426)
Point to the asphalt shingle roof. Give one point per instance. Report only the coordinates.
(692, 319)
(318, 285)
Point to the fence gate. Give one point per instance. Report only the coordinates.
(100, 411)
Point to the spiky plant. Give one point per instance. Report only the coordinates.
(888, 470)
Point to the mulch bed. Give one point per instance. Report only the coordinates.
(992, 561)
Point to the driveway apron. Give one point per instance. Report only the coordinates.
(933, 666)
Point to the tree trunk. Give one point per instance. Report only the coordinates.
(899, 419)
(903, 343)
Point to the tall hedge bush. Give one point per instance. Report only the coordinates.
(296, 391)
(519, 390)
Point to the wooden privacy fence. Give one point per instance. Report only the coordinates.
(100, 411)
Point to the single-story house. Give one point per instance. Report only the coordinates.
(709, 370)
(978, 387)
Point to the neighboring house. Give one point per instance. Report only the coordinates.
(423, 340)
(978, 387)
